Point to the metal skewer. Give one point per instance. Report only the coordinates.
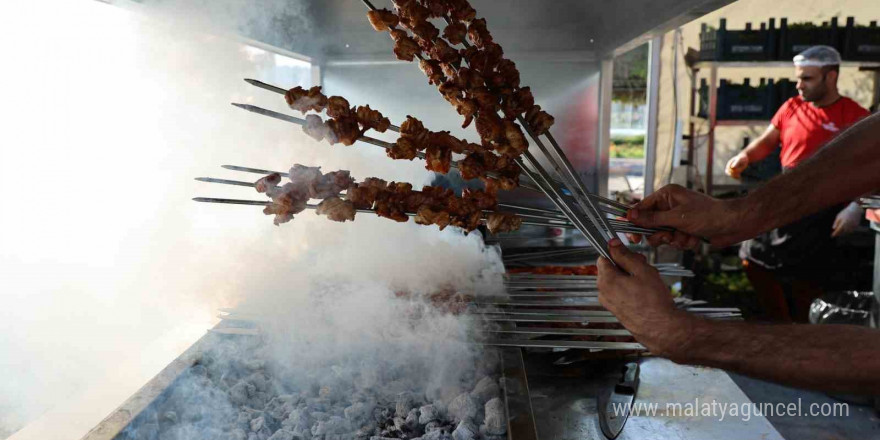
(552, 221)
(308, 206)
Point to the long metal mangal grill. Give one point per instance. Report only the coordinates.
(538, 314)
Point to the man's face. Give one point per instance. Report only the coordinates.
(812, 83)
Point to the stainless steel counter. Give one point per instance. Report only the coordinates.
(565, 405)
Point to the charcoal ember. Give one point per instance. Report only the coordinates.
(298, 417)
(486, 389)
(259, 380)
(463, 407)
(433, 426)
(303, 432)
(335, 425)
(428, 413)
(257, 424)
(436, 435)
(282, 434)
(495, 421)
(466, 430)
(358, 412)
(404, 403)
(412, 418)
(238, 434)
(383, 415)
(242, 392)
(319, 416)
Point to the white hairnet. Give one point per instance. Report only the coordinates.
(818, 56)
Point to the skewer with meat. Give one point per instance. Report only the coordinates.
(383, 19)
(371, 119)
(304, 101)
(336, 209)
(478, 34)
(405, 48)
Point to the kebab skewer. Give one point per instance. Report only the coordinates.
(595, 226)
(611, 206)
(393, 200)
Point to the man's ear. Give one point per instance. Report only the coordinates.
(832, 77)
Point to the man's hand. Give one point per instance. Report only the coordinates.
(847, 220)
(736, 165)
(692, 215)
(637, 296)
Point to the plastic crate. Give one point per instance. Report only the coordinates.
(861, 43)
(746, 45)
(785, 89)
(797, 38)
(741, 101)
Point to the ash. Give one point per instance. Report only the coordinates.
(239, 391)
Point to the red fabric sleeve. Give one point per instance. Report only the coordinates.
(782, 114)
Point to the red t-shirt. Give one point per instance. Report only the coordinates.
(804, 128)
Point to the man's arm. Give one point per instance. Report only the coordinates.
(841, 171)
(834, 358)
(755, 152)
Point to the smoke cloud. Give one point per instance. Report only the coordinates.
(108, 270)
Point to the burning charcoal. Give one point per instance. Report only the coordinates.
(282, 434)
(319, 416)
(495, 422)
(436, 435)
(358, 412)
(465, 430)
(257, 424)
(260, 381)
(405, 402)
(463, 407)
(241, 393)
(427, 414)
(298, 417)
(433, 426)
(412, 418)
(485, 390)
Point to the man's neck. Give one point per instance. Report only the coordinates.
(828, 99)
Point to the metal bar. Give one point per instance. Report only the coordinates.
(495, 311)
(540, 331)
(653, 87)
(713, 120)
(590, 345)
(503, 301)
(520, 417)
(585, 320)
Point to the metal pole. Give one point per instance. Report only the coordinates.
(713, 115)
(656, 45)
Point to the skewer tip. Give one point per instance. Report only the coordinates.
(244, 106)
(251, 81)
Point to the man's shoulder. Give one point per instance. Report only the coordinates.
(853, 106)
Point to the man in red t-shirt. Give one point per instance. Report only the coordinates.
(787, 259)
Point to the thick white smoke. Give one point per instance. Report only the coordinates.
(107, 268)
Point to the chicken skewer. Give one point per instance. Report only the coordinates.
(590, 229)
(308, 206)
(619, 208)
(414, 15)
(550, 215)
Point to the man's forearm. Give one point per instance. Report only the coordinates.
(759, 149)
(833, 358)
(841, 171)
